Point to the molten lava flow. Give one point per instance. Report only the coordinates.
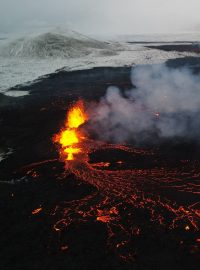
(69, 137)
(36, 211)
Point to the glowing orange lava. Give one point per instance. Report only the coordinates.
(69, 137)
(36, 211)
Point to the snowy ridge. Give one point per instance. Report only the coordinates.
(52, 44)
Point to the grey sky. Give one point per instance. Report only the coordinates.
(102, 16)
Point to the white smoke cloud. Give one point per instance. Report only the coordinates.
(164, 104)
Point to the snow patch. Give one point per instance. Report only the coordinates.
(4, 155)
(16, 93)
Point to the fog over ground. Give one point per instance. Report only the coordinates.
(102, 17)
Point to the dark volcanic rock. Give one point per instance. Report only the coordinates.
(193, 48)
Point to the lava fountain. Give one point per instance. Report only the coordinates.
(70, 137)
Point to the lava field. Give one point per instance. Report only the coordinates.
(99, 205)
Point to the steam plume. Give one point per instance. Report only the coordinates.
(164, 104)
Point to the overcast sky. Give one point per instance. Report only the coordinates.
(102, 16)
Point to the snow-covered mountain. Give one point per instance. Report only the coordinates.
(60, 44)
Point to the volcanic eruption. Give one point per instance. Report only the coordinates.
(137, 188)
(129, 181)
